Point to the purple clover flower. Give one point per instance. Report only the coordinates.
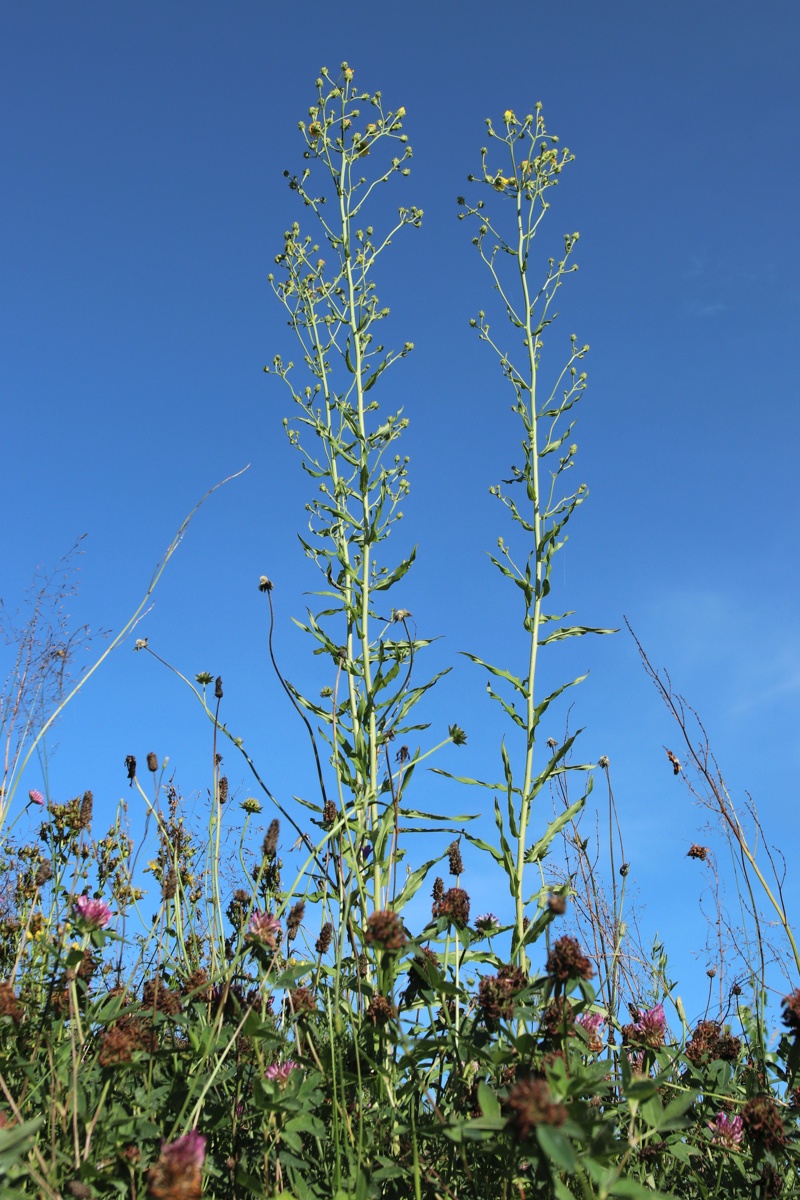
(178, 1170)
(187, 1152)
(264, 929)
(487, 924)
(651, 1027)
(279, 1072)
(592, 1022)
(95, 914)
(727, 1131)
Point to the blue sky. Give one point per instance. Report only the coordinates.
(143, 202)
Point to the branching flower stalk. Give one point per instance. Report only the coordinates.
(533, 164)
(334, 316)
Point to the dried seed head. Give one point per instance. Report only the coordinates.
(44, 872)
(218, 688)
(438, 888)
(270, 846)
(567, 961)
(130, 767)
(222, 789)
(329, 813)
(530, 1104)
(381, 1010)
(556, 904)
(294, 920)
(385, 930)
(454, 904)
(302, 1001)
(170, 885)
(323, 942)
(455, 859)
(701, 852)
(152, 762)
(86, 809)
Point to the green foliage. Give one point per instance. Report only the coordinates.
(315, 1038)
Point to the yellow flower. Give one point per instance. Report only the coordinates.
(508, 116)
(401, 112)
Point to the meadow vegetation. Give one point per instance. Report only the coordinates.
(304, 1035)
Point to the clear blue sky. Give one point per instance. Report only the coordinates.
(143, 201)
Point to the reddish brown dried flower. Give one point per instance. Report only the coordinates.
(117, 1046)
(497, 993)
(380, 1010)
(329, 813)
(531, 1104)
(558, 1018)
(567, 961)
(453, 904)
(302, 1001)
(196, 985)
(169, 885)
(222, 789)
(385, 930)
(9, 1003)
(791, 1010)
(763, 1123)
(438, 888)
(418, 972)
(152, 762)
(157, 997)
(701, 852)
(556, 904)
(709, 1043)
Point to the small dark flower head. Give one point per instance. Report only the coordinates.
(324, 940)
(763, 1123)
(86, 810)
(380, 1010)
(567, 961)
(295, 920)
(701, 852)
(270, 847)
(218, 688)
(385, 930)
(791, 1010)
(556, 904)
(454, 904)
(487, 923)
(152, 762)
(530, 1104)
(302, 1001)
(130, 767)
(497, 993)
(455, 860)
(438, 888)
(44, 872)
